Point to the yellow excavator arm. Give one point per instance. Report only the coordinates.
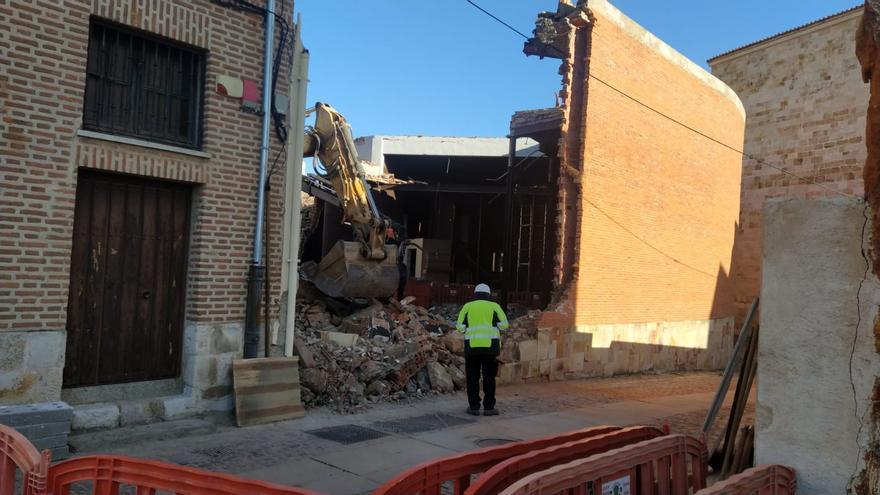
(366, 267)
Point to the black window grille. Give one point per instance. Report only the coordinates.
(143, 86)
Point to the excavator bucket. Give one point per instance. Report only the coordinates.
(344, 272)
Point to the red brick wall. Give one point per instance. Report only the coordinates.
(805, 104)
(658, 202)
(42, 77)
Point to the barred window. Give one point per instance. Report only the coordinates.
(143, 86)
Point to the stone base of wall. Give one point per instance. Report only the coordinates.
(31, 366)
(582, 351)
(208, 351)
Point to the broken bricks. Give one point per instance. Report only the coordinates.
(382, 351)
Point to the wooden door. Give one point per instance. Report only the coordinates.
(127, 280)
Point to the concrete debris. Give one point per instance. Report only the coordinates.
(384, 352)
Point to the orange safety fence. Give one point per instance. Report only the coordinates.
(506, 472)
(17, 454)
(428, 478)
(111, 475)
(761, 480)
(667, 465)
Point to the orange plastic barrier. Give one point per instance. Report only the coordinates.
(427, 478)
(19, 454)
(506, 472)
(108, 474)
(658, 466)
(761, 480)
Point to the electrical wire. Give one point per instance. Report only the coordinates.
(497, 19)
(757, 159)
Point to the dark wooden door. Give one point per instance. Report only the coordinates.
(127, 280)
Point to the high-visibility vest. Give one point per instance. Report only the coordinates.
(476, 320)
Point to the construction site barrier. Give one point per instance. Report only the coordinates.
(761, 480)
(111, 475)
(18, 455)
(506, 472)
(667, 465)
(428, 478)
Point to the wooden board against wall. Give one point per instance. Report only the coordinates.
(266, 390)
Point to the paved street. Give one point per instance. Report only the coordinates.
(389, 438)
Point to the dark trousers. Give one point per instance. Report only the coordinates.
(474, 365)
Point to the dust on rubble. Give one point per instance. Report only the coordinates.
(382, 352)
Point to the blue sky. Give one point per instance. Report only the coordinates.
(441, 67)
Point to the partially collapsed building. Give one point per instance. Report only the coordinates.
(614, 212)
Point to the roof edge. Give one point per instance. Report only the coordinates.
(839, 16)
(647, 38)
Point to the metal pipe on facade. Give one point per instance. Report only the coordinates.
(293, 183)
(257, 270)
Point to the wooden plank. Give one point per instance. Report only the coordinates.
(730, 369)
(90, 357)
(113, 355)
(146, 279)
(159, 363)
(266, 390)
(177, 303)
(130, 324)
(79, 269)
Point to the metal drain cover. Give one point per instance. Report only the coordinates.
(418, 424)
(493, 442)
(347, 434)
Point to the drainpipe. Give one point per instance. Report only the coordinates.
(258, 270)
(293, 183)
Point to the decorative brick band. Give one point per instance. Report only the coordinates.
(170, 18)
(128, 159)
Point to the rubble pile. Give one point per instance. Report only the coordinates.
(392, 351)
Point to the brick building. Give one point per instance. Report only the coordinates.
(647, 207)
(128, 184)
(805, 111)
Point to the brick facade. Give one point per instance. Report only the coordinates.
(42, 82)
(648, 203)
(658, 201)
(805, 105)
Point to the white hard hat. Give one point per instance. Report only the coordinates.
(482, 288)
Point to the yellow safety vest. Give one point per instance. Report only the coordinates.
(476, 320)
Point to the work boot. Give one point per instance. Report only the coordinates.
(473, 412)
(491, 412)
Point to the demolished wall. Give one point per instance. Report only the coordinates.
(649, 196)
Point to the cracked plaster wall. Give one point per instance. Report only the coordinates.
(816, 360)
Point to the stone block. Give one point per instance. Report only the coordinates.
(528, 351)
(543, 350)
(29, 414)
(544, 367)
(531, 369)
(141, 412)
(95, 416)
(574, 362)
(179, 406)
(44, 350)
(510, 373)
(197, 339)
(339, 338)
(14, 346)
(227, 339)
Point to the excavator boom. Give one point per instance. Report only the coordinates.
(367, 266)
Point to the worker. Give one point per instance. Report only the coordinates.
(481, 321)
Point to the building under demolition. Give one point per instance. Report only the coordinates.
(126, 247)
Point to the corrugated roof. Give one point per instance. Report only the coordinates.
(764, 40)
